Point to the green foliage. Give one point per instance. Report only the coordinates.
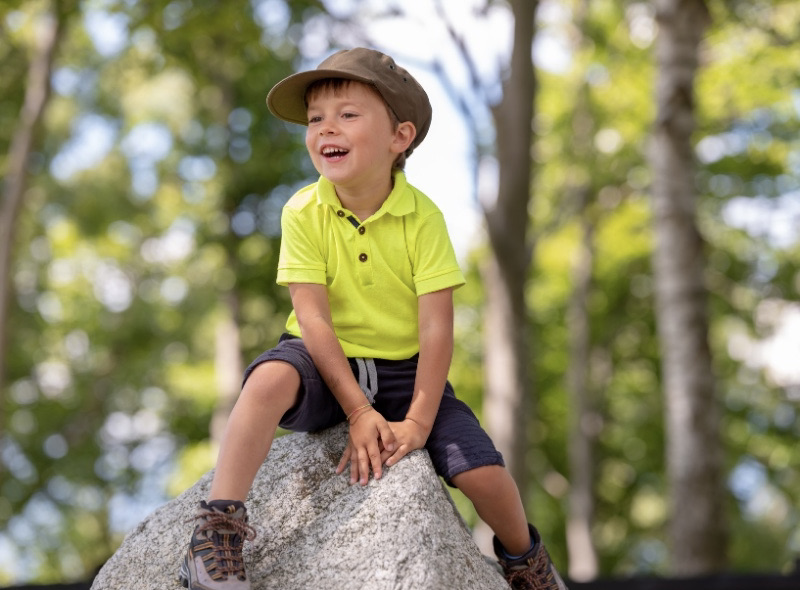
(124, 267)
(749, 127)
(747, 150)
(747, 130)
(125, 263)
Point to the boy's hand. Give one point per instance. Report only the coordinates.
(409, 436)
(369, 442)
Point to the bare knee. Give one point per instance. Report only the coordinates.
(481, 481)
(273, 382)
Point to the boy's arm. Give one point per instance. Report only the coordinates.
(367, 427)
(435, 355)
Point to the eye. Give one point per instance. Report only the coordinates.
(349, 115)
(314, 119)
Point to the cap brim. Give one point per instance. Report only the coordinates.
(286, 100)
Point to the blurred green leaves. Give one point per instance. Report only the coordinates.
(127, 258)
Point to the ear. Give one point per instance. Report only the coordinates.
(404, 134)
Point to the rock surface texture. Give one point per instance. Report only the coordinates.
(316, 531)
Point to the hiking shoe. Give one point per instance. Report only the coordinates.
(532, 571)
(214, 558)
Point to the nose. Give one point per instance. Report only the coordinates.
(327, 128)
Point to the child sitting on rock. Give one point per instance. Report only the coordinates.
(371, 272)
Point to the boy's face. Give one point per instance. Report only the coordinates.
(351, 138)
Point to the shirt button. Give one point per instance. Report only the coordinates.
(362, 230)
(362, 257)
(340, 213)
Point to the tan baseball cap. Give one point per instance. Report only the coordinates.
(399, 89)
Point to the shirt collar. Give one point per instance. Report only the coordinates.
(399, 202)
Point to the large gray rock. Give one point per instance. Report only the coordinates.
(316, 531)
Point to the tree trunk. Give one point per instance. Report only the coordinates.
(697, 529)
(37, 95)
(506, 348)
(584, 421)
(583, 430)
(228, 366)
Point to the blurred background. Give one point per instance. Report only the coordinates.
(622, 182)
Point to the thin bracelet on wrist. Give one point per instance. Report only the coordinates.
(350, 415)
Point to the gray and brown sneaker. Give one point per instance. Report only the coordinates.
(214, 558)
(532, 571)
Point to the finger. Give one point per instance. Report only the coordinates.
(387, 436)
(354, 461)
(385, 455)
(375, 460)
(363, 466)
(402, 451)
(344, 460)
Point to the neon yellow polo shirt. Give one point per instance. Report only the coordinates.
(374, 270)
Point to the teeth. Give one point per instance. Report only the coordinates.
(332, 151)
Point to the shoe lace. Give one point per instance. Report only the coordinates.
(538, 575)
(226, 536)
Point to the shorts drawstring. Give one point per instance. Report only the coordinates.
(367, 378)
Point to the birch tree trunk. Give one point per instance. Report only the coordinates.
(584, 421)
(583, 429)
(37, 95)
(506, 405)
(694, 455)
(228, 365)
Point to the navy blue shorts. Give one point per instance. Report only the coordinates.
(457, 443)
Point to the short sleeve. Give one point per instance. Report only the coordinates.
(435, 263)
(300, 259)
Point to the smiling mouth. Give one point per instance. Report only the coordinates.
(334, 153)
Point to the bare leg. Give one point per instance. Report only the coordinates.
(494, 494)
(267, 394)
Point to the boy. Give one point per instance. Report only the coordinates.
(370, 270)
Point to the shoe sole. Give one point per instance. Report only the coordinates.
(183, 576)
